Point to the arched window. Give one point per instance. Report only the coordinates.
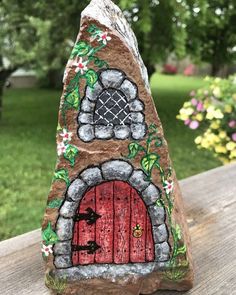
(112, 109)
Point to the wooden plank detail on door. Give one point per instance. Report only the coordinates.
(138, 217)
(149, 241)
(86, 232)
(122, 195)
(104, 225)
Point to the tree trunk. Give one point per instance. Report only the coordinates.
(151, 69)
(4, 75)
(215, 68)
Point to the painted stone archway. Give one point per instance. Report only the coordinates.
(111, 170)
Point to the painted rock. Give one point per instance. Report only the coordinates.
(114, 222)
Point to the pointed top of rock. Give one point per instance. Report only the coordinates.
(110, 15)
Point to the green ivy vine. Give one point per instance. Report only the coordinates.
(83, 56)
(150, 160)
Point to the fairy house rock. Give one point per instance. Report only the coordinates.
(114, 222)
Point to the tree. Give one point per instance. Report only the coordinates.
(211, 31)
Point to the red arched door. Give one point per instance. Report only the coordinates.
(112, 226)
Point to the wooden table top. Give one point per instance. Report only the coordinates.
(210, 200)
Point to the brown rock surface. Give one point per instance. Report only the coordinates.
(110, 141)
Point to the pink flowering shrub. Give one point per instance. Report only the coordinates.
(169, 69)
(213, 107)
(189, 70)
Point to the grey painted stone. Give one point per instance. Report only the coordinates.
(136, 106)
(106, 271)
(68, 209)
(137, 117)
(62, 248)
(121, 131)
(138, 131)
(157, 214)
(103, 132)
(85, 118)
(160, 233)
(151, 194)
(116, 169)
(162, 252)
(62, 261)
(64, 228)
(138, 180)
(87, 105)
(86, 132)
(92, 176)
(92, 94)
(111, 78)
(129, 89)
(76, 189)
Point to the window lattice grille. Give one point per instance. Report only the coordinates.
(112, 108)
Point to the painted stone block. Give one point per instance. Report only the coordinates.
(115, 222)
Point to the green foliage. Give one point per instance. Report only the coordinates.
(58, 285)
(49, 237)
(148, 162)
(72, 99)
(62, 174)
(80, 49)
(91, 77)
(56, 203)
(71, 154)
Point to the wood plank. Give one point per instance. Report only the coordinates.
(122, 192)
(138, 217)
(86, 232)
(149, 255)
(104, 225)
(210, 205)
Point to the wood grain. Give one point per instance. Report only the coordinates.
(210, 200)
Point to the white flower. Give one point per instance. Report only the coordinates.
(168, 186)
(61, 148)
(103, 36)
(81, 66)
(46, 249)
(66, 136)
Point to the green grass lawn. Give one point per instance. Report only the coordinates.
(27, 134)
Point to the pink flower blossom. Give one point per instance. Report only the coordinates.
(232, 123)
(168, 186)
(194, 101)
(47, 249)
(200, 107)
(187, 122)
(234, 136)
(61, 148)
(192, 93)
(66, 136)
(194, 125)
(103, 36)
(81, 66)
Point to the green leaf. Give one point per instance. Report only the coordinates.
(59, 128)
(181, 250)
(134, 148)
(80, 49)
(159, 203)
(71, 153)
(148, 162)
(62, 174)
(91, 77)
(49, 236)
(72, 98)
(178, 232)
(56, 203)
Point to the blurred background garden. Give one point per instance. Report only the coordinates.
(181, 42)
